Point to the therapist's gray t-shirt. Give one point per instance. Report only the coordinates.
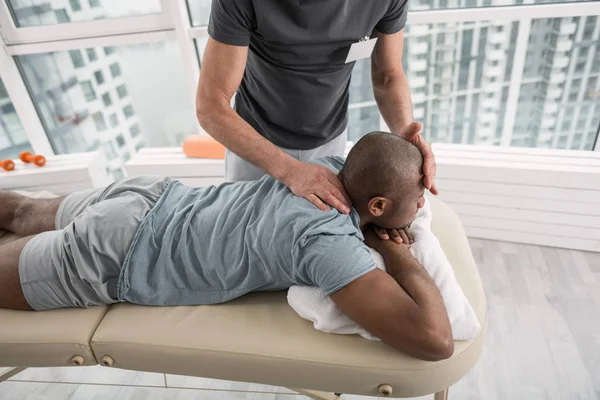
(295, 88)
(210, 245)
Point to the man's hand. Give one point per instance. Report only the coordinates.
(403, 235)
(319, 185)
(413, 135)
(374, 240)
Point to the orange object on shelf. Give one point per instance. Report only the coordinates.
(203, 147)
(7, 165)
(38, 160)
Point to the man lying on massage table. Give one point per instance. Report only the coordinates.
(155, 241)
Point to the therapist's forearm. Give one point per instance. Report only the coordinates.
(222, 123)
(393, 98)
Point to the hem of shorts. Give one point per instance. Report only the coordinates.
(26, 250)
(123, 284)
(59, 212)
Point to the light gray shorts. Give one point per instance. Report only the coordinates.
(78, 264)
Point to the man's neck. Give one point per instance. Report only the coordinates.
(364, 219)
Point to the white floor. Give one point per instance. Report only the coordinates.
(543, 342)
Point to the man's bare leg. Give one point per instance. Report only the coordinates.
(25, 216)
(11, 294)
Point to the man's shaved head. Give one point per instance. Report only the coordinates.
(383, 165)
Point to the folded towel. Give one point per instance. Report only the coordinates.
(311, 302)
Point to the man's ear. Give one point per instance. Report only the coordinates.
(378, 205)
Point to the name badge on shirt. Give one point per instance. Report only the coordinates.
(361, 49)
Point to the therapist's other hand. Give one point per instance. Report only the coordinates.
(403, 235)
(412, 133)
(317, 184)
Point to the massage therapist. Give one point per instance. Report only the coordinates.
(289, 64)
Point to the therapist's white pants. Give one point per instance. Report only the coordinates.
(238, 169)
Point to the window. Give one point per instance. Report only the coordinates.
(88, 91)
(92, 56)
(588, 32)
(99, 121)
(62, 16)
(121, 141)
(115, 70)
(109, 50)
(35, 12)
(13, 140)
(471, 52)
(128, 111)
(106, 99)
(114, 120)
(77, 96)
(584, 111)
(592, 91)
(118, 174)
(575, 85)
(76, 58)
(361, 121)
(562, 142)
(75, 5)
(99, 77)
(199, 11)
(122, 91)
(135, 130)
(110, 150)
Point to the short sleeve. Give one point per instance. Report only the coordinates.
(231, 21)
(395, 19)
(332, 261)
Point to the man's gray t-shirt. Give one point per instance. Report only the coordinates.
(295, 88)
(210, 245)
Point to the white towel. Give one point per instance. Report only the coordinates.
(311, 302)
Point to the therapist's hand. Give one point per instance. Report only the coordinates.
(317, 184)
(412, 133)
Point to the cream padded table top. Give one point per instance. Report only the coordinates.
(260, 339)
(257, 338)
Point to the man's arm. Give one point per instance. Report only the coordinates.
(402, 307)
(390, 84)
(221, 74)
(222, 71)
(392, 94)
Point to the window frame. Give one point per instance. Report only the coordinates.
(174, 23)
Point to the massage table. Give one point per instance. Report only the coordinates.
(257, 338)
